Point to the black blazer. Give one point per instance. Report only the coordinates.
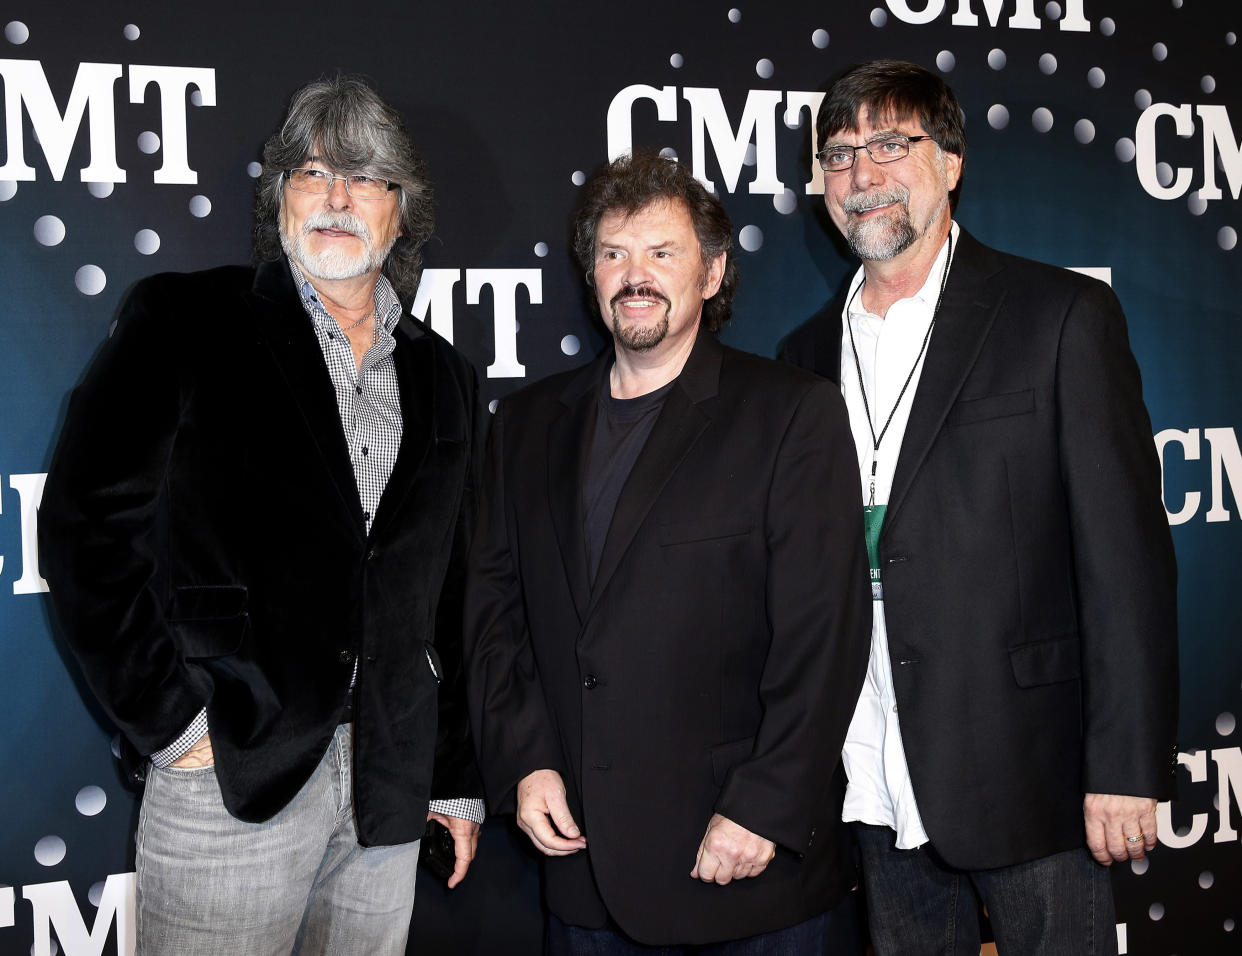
(713, 666)
(202, 535)
(1029, 578)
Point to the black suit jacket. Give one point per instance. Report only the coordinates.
(1029, 578)
(714, 664)
(204, 542)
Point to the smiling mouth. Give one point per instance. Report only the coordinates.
(631, 298)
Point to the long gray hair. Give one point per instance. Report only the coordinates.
(345, 124)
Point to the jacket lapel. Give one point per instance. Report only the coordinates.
(413, 359)
(286, 329)
(678, 426)
(962, 326)
(569, 442)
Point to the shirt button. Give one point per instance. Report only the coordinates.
(366, 516)
(590, 682)
(364, 451)
(358, 389)
(894, 708)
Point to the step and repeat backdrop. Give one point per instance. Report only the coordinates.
(1104, 135)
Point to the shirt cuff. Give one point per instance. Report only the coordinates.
(179, 747)
(464, 808)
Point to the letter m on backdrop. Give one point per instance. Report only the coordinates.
(26, 84)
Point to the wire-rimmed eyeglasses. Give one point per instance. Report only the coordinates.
(887, 149)
(359, 186)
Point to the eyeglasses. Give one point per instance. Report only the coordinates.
(359, 186)
(888, 149)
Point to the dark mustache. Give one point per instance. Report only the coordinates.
(638, 292)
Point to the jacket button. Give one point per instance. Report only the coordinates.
(590, 682)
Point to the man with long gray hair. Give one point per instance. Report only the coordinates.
(254, 529)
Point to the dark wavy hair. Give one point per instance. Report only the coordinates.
(346, 124)
(901, 91)
(631, 183)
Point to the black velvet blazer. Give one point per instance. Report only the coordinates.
(203, 539)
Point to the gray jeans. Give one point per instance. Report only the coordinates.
(207, 883)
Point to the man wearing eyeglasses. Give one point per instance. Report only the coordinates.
(254, 528)
(1017, 723)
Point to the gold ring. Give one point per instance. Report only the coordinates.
(1134, 839)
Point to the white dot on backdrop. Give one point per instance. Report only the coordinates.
(1208, 84)
(945, 61)
(1124, 149)
(90, 280)
(115, 746)
(748, 158)
(8, 189)
(785, 201)
(196, 98)
(1041, 119)
(1206, 879)
(1164, 174)
(998, 116)
(1159, 51)
(1084, 131)
(200, 206)
(148, 142)
(1231, 38)
(95, 893)
(1177, 4)
(750, 238)
(50, 850)
(820, 39)
(879, 17)
(570, 345)
(1155, 911)
(1196, 203)
(1139, 867)
(1226, 724)
(677, 61)
(491, 406)
(1053, 11)
(1229, 924)
(49, 231)
(541, 249)
(1095, 77)
(764, 69)
(254, 170)
(1107, 27)
(669, 153)
(1142, 99)
(793, 117)
(16, 32)
(55, 948)
(578, 177)
(1227, 238)
(997, 59)
(90, 800)
(100, 190)
(131, 31)
(1216, 801)
(735, 15)
(147, 241)
(1182, 831)
(1047, 64)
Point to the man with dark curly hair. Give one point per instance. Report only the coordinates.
(254, 528)
(667, 609)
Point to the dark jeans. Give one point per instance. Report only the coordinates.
(835, 933)
(1059, 905)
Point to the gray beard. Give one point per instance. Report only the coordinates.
(878, 240)
(335, 264)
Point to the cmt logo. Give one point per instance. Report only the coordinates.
(91, 99)
(1218, 142)
(1226, 464)
(1022, 18)
(710, 123)
(1228, 763)
(53, 907)
(434, 305)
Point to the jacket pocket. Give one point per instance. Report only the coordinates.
(210, 621)
(727, 756)
(1046, 662)
(704, 529)
(972, 410)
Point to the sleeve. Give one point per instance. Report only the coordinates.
(1124, 567)
(819, 615)
(514, 733)
(101, 527)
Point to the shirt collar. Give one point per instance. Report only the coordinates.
(387, 305)
(927, 294)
